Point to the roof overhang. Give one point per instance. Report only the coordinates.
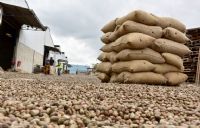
(20, 16)
(62, 60)
(52, 49)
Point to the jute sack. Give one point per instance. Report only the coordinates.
(107, 48)
(165, 45)
(145, 18)
(165, 68)
(109, 27)
(132, 41)
(165, 22)
(105, 38)
(175, 78)
(104, 67)
(113, 78)
(139, 16)
(131, 26)
(103, 57)
(142, 78)
(114, 35)
(123, 19)
(103, 77)
(173, 60)
(144, 54)
(133, 66)
(107, 56)
(175, 35)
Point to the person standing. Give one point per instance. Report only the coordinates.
(51, 62)
(59, 66)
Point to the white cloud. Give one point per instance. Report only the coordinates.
(77, 51)
(77, 23)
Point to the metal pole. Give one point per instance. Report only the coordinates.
(198, 70)
(27, 4)
(33, 65)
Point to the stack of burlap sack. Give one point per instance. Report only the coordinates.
(142, 48)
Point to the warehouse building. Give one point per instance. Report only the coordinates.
(36, 45)
(24, 41)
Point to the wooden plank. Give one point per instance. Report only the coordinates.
(196, 43)
(198, 70)
(196, 59)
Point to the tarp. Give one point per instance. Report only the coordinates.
(20, 16)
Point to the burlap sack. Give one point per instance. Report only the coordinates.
(140, 17)
(105, 38)
(103, 57)
(175, 35)
(165, 22)
(175, 78)
(131, 26)
(113, 58)
(145, 18)
(132, 41)
(164, 45)
(142, 78)
(133, 66)
(123, 19)
(165, 68)
(107, 56)
(173, 60)
(107, 48)
(144, 54)
(103, 77)
(104, 67)
(109, 27)
(52, 70)
(113, 78)
(114, 35)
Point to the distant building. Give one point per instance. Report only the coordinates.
(73, 69)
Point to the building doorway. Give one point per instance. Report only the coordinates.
(8, 39)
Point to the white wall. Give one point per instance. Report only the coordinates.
(63, 57)
(20, 3)
(25, 56)
(36, 39)
(30, 48)
(38, 59)
(33, 39)
(28, 58)
(48, 38)
(57, 56)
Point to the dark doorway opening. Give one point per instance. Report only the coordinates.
(8, 38)
(47, 49)
(46, 54)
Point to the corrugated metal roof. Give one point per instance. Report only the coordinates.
(21, 15)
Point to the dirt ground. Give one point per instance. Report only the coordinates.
(76, 101)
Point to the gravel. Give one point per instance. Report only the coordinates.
(37, 100)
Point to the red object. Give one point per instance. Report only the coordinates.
(18, 63)
(13, 62)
